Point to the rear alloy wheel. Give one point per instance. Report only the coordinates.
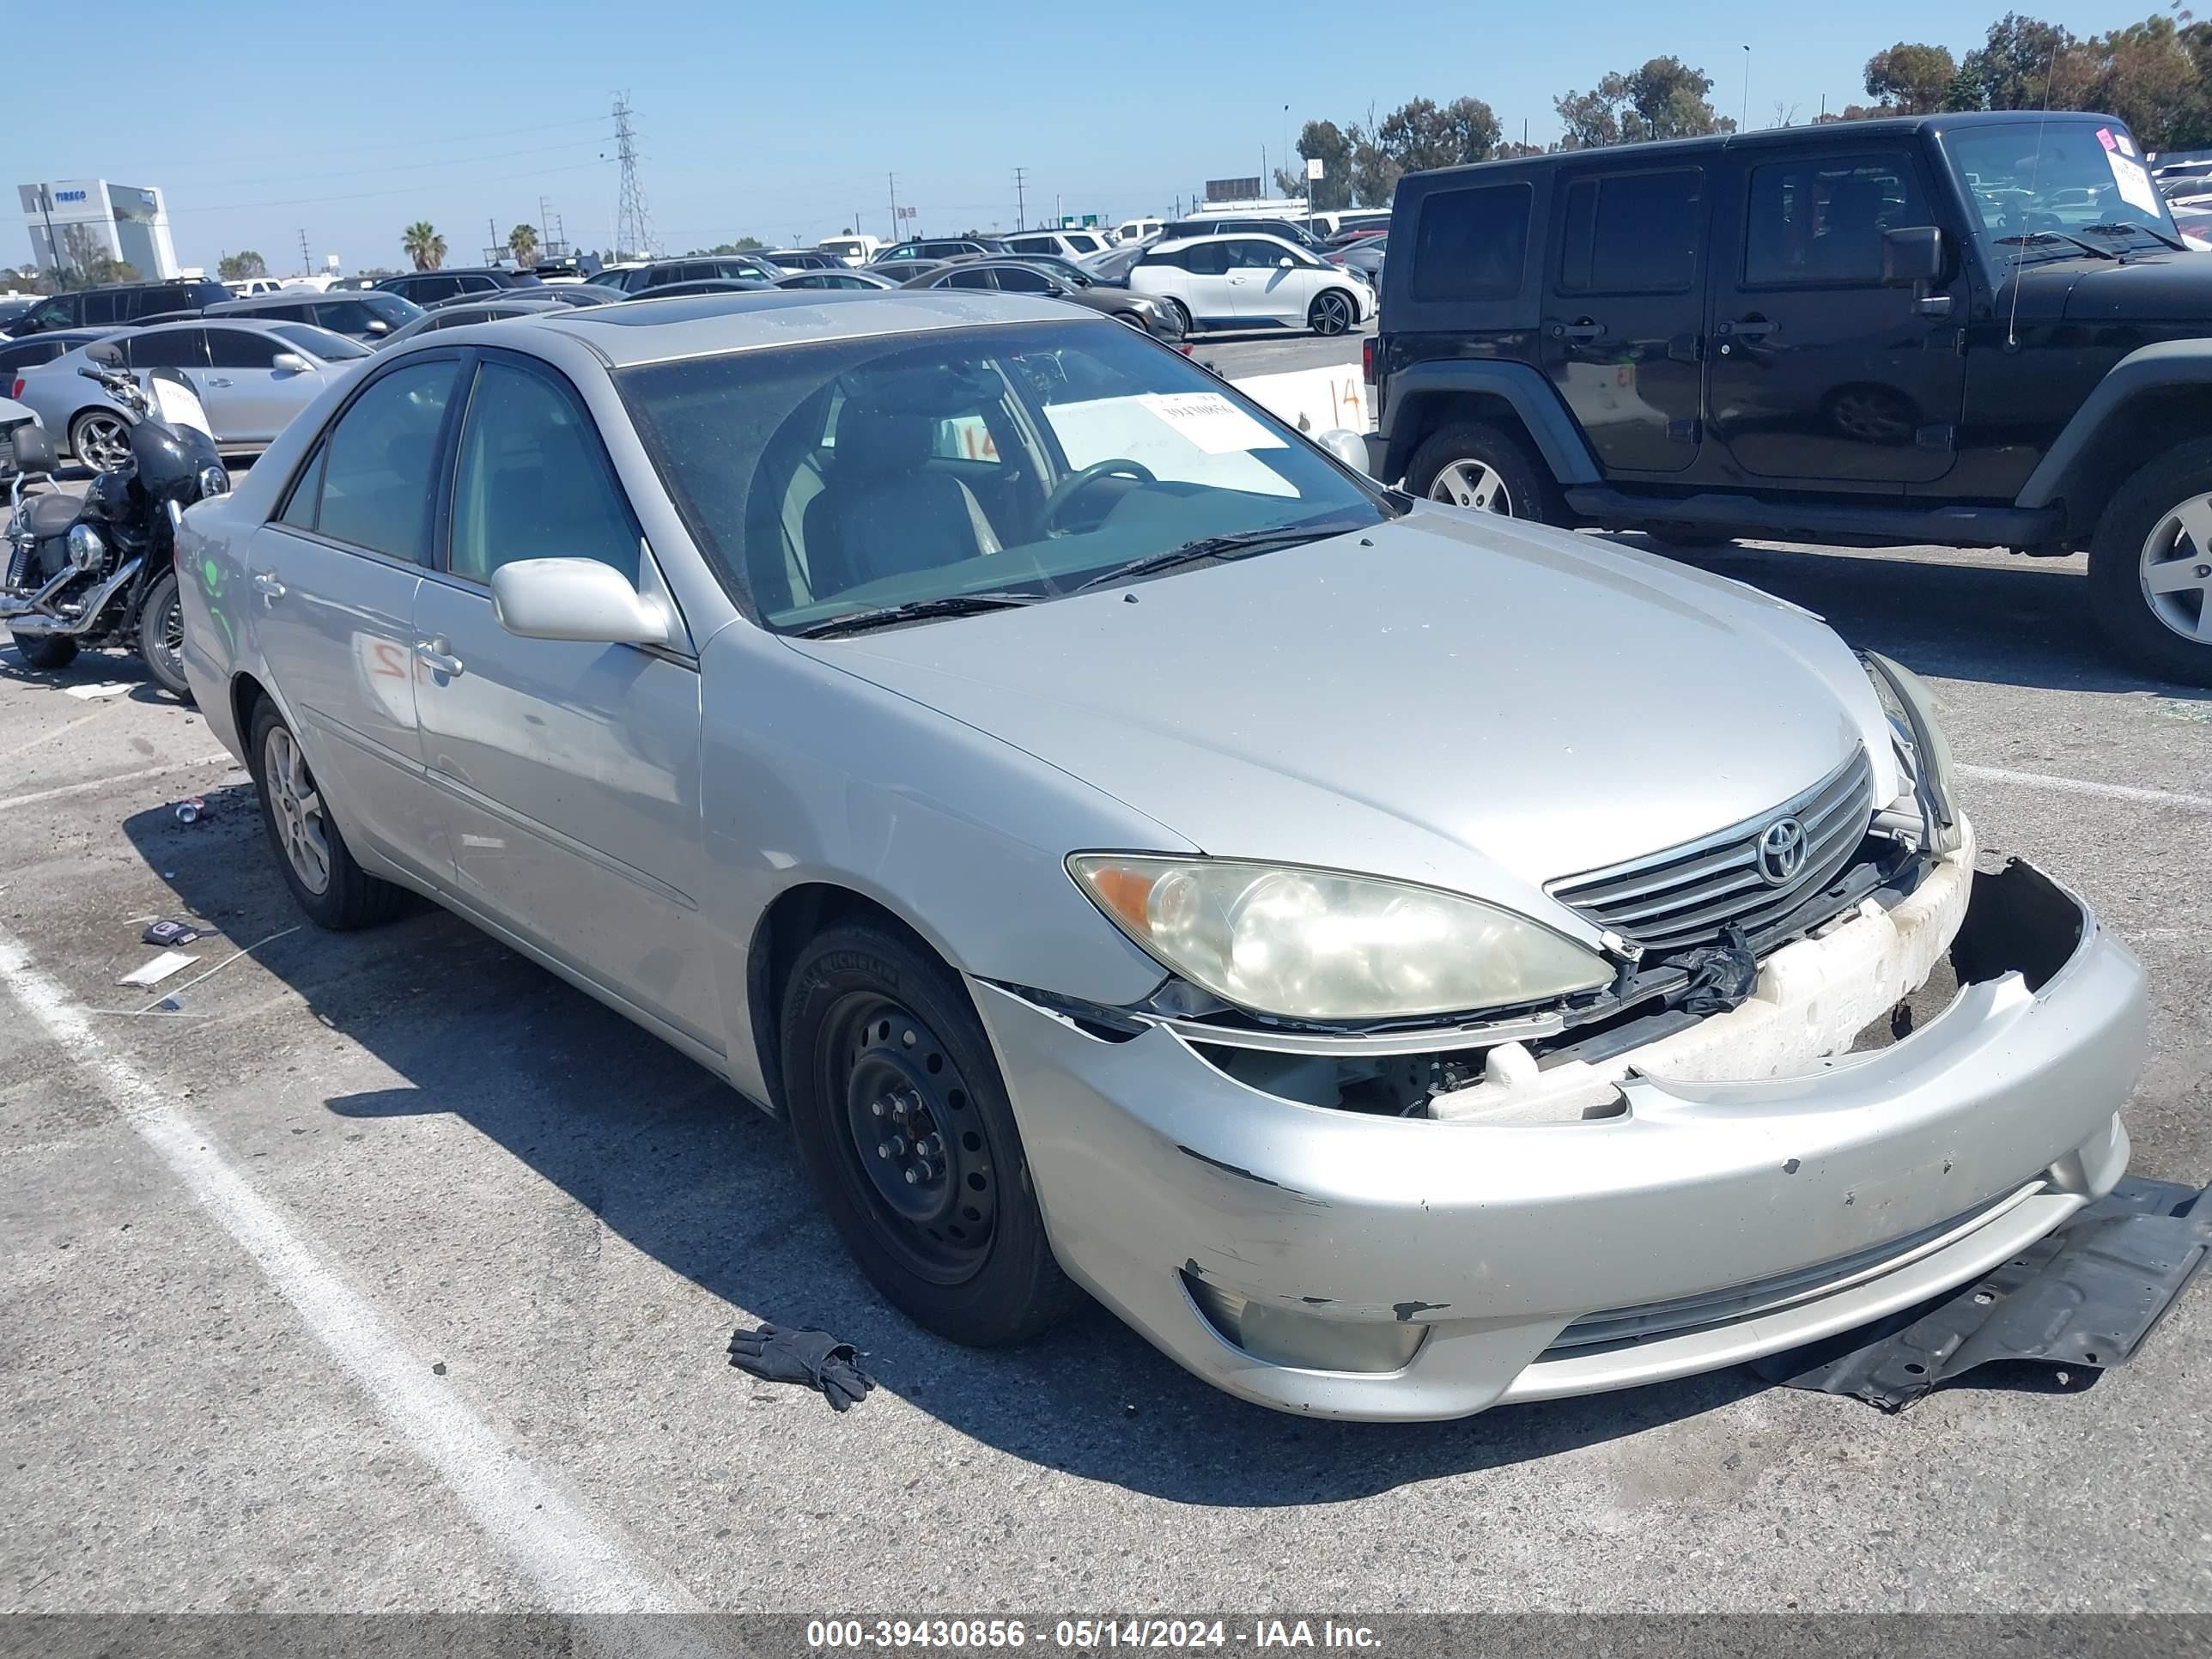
(318, 867)
(1332, 313)
(2150, 567)
(1485, 469)
(162, 636)
(100, 440)
(1181, 314)
(908, 1138)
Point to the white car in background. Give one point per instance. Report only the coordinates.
(852, 250)
(1136, 230)
(1067, 244)
(1242, 279)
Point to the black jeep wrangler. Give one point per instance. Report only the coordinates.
(1973, 330)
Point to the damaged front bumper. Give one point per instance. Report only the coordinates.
(1405, 1268)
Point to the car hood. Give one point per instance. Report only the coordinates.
(2156, 287)
(1453, 699)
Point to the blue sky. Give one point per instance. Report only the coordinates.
(782, 121)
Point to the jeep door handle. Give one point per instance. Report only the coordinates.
(1751, 328)
(1585, 330)
(266, 585)
(433, 655)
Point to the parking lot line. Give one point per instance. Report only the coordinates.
(2082, 787)
(89, 785)
(579, 1564)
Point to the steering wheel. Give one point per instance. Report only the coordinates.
(1066, 490)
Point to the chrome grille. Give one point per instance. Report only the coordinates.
(1674, 900)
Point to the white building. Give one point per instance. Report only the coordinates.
(73, 222)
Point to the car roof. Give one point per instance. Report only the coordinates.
(1244, 235)
(649, 331)
(283, 296)
(203, 321)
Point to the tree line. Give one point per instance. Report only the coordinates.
(2156, 76)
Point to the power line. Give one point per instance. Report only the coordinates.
(633, 233)
(413, 166)
(364, 195)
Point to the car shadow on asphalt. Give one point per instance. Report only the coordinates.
(668, 1158)
(2025, 622)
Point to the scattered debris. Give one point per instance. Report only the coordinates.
(814, 1358)
(171, 930)
(437, 1368)
(192, 809)
(2084, 1298)
(154, 972)
(105, 688)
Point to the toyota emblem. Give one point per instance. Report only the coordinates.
(1781, 852)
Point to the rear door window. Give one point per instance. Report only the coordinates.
(100, 308)
(1472, 244)
(168, 348)
(379, 476)
(1632, 233)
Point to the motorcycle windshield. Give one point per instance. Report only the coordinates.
(176, 405)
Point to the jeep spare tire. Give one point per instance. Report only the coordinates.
(2150, 566)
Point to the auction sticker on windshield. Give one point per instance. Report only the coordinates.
(1210, 421)
(2132, 177)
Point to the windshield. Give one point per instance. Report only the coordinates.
(320, 342)
(2043, 181)
(852, 476)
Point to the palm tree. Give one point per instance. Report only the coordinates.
(522, 243)
(421, 242)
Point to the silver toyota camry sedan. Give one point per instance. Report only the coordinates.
(1400, 959)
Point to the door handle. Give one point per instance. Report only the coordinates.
(1584, 330)
(1751, 328)
(433, 654)
(215, 382)
(266, 585)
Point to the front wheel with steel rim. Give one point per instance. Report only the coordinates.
(1486, 469)
(1332, 313)
(161, 635)
(2150, 566)
(318, 867)
(909, 1140)
(100, 440)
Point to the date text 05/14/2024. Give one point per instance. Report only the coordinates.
(1086, 1635)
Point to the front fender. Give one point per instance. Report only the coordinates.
(2104, 436)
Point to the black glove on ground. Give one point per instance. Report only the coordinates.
(814, 1358)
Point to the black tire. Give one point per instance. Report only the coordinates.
(1529, 487)
(76, 431)
(1688, 538)
(2117, 592)
(855, 994)
(160, 636)
(1181, 314)
(1338, 320)
(351, 897)
(46, 653)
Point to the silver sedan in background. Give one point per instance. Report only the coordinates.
(252, 378)
(1398, 958)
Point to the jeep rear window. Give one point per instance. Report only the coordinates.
(1471, 244)
(1632, 233)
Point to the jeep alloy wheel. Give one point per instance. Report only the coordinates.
(1473, 483)
(2176, 569)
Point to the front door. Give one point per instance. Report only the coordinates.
(1820, 372)
(1205, 281)
(1623, 307)
(330, 599)
(248, 397)
(566, 775)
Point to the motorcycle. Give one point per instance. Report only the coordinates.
(102, 571)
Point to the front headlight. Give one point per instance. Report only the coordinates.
(1910, 706)
(1315, 945)
(214, 480)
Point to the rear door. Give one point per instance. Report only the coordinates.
(1624, 310)
(333, 580)
(1821, 373)
(184, 349)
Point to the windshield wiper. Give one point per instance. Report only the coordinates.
(948, 604)
(2130, 224)
(2057, 236)
(1236, 546)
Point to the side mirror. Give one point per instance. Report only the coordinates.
(1346, 446)
(1285, 263)
(378, 326)
(290, 363)
(1911, 254)
(578, 599)
(105, 352)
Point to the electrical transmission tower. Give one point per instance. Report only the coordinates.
(633, 231)
(1021, 212)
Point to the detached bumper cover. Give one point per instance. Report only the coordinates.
(1713, 1222)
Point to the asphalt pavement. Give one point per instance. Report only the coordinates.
(388, 1273)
